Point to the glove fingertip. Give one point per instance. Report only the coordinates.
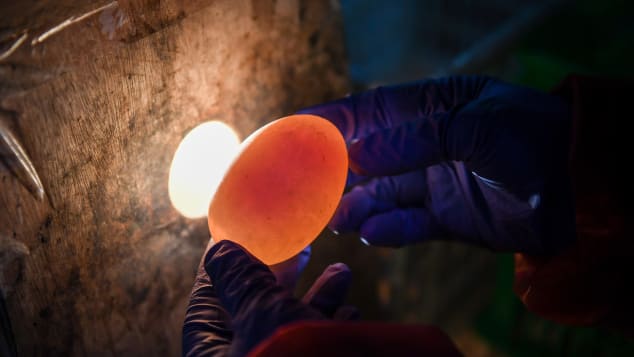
(398, 227)
(330, 287)
(228, 256)
(339, 222)
(338, 268)
(378, 232)
(352, 210)
(220, 248)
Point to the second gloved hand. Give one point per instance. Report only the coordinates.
(471, 159)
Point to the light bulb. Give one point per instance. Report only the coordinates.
(199, 163)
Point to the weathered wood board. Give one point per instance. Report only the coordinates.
(102, 264)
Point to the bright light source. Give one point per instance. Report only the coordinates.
(200, 162)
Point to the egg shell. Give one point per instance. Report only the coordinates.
(282, 189)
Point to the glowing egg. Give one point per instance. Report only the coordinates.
(282, 189)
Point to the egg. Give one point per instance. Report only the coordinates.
(282, 189)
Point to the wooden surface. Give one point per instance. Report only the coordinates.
(102, 264)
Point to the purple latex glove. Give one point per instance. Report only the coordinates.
(245, 303)
(470, 159)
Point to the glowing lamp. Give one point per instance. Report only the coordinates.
(282, 189)
(200, 162)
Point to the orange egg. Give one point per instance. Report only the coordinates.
(282, 189)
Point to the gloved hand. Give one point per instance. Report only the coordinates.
(237, 302)
(471, 159)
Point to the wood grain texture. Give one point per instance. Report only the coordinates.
(103, 265)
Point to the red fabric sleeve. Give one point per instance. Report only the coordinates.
(590, 282)
(336, 338)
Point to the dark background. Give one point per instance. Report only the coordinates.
(465, 290)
